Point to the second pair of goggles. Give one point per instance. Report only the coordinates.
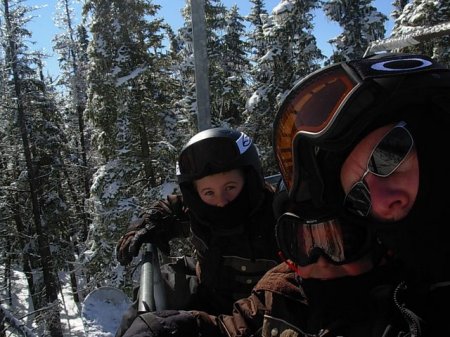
(339, 240)
(326, 105)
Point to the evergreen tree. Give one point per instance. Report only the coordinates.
(185, 71)
(216, 25)
(31, 118)
(361, 24)
(130, 91)
(71, 44)
(256, 40)
(291, 54)
(398, 7)
(420, 14)
(235, 69)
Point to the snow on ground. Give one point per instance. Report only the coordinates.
(17, 302)
(70, 315)
(102, 310)
(105, 307)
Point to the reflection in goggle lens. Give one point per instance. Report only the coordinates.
(303, 242)
(339, 240)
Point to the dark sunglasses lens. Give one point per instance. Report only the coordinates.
(390, 152)
(358, 199)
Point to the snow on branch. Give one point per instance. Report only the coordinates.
(418, 35)
(16, 324)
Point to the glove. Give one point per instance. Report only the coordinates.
(153, 227)
(164, 323)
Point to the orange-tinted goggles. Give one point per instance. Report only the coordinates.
(337, 239)
(310, 107)
(315, 103)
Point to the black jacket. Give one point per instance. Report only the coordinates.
(375, 304)
(231, 260)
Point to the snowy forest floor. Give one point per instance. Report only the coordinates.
(22, 307)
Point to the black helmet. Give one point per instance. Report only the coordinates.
(329, 111)
(219, 150)
(216, 150)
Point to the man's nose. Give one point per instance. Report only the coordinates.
(389, 202)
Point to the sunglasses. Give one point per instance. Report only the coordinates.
(321, 106)
(304, 241)
(390, 152)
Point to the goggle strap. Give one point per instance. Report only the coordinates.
(292, 266)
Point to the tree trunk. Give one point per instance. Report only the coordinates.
(13, 60)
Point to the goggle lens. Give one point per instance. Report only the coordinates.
(304, 242)
(310, 107)
(386, 157)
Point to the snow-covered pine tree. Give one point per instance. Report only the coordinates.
(291, 54)
(361, 24)
(420, 14)
(130, 92)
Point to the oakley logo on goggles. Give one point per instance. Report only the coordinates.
(313, 105)
(216, 152)
(304, 241)
(390, 152)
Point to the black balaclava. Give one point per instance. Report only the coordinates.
(347, 301)
(234, 213)
(422, 238)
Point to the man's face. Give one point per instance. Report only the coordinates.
(393, 196)
(325, 270)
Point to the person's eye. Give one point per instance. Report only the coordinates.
(208, 193)
(230, 187)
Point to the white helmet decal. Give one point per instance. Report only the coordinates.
(243, 143)
(393, 65)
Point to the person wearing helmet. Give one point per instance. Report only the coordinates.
(359, 143)
(225, 207)
(345, 137)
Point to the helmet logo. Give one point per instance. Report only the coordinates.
(243, 143)
(177, 169)
(401, 65)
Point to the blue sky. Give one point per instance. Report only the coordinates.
(43, 28)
